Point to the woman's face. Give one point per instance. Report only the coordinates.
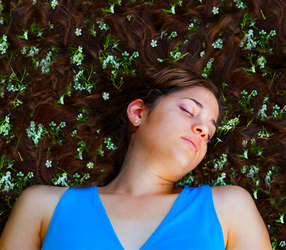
(177, 130)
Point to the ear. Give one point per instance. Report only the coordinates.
(136, 110)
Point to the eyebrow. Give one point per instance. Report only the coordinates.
(201, 106)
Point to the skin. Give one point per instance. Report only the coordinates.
(150, 169)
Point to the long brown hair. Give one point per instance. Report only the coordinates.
(58, 61)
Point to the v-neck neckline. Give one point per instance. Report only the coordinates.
(105, 215)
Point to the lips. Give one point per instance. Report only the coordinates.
(193, 144)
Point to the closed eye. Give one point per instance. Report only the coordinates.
(187, 111)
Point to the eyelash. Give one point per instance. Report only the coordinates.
(187, 111)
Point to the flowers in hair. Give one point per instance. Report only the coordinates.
(3, 44)
(218, 44)
(48, 164)
(154, 43)
(105, 95)
(78, 32)
(36, 132)
(54, 4)
(215, 10)
(90, 165)
(5, 125)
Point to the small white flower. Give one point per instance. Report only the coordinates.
(125, 53)
(255, 194)
(272, 33)
(62, 124)
(202, 53)
(105, 95)
(49, 164)
(76, 175)
(90, 165)
(262, 32)
(54, 3)
(154, 43)
(174, 34)
(26, 34)
(215, 10)
(78, 32)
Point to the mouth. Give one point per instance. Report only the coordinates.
(191, 144)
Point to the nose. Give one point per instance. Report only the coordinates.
(200, 129)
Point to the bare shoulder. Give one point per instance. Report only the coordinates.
(246, 226)
(23, 228)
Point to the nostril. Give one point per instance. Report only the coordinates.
(199, 130)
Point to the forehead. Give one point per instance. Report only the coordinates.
(200, 94)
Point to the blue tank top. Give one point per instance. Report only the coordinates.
(80, 222)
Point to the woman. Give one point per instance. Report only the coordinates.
(140, 208)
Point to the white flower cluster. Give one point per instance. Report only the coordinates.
(5, 126)
(218, 44)
(282, 243)
(250, 171)
(77, 56)
(102, 25)
(61, 180)
(44, 63)
(208, 68)
(240, 4)
(5, 182)
(109, 144)
(110, 60)
(248, 42)
(85, 85)
(175, 54)
(277, 111)
(3, 44)
(219, 163)
(268, 177)
(36, 133)
(261, 113)
(90, 165)
(263, 134)
(220, 180)
(261, 61)
(229, 125)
